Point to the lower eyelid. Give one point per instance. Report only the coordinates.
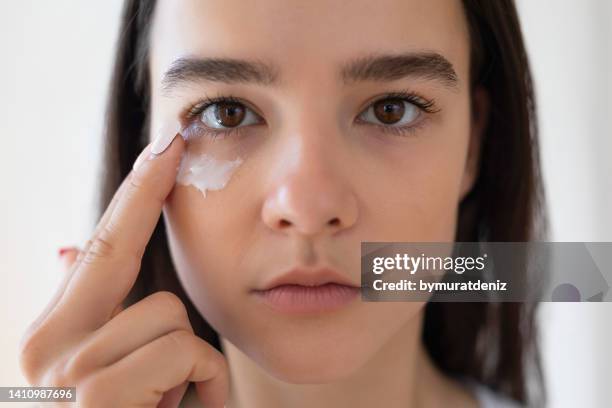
(420, 114)
(413, 127)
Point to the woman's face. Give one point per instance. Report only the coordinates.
(318, 141)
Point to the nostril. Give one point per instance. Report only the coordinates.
(284, 223)
(334, 222)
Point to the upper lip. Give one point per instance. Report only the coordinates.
(309, 277)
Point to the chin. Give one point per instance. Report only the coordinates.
(304, 362)
(309, 371)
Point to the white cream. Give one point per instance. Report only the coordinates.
(204, 172)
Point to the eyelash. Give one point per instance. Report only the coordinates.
(425, 105)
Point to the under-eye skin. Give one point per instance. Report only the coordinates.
(223, 116)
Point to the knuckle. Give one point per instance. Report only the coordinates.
(100, 248)
(217, 357)
(85, 250)
(76, 366)
(104, 250)
(88, 244)
(170, 305)
(58, 377)
(180, 339)
(30, 357)
(41, 370)
(218, 360)
(140, 183)
(135, 182)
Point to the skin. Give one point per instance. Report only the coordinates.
(308, 162)
(306, 165)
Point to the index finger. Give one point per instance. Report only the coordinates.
(110, 264)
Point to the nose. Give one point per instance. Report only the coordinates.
(311, 193)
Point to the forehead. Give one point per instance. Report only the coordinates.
(306, 38)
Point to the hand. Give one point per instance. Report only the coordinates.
(144, 355)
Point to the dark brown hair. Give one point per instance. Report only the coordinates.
(492, 343)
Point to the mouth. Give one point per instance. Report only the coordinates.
(303, 291)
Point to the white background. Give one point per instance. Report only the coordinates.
(56, 60)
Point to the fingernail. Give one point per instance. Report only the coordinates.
(165, 136)
(63, 250)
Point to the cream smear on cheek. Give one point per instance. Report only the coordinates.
(200, 170)
(204, 172)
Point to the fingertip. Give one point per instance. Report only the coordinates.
(67, 251)
(165, 136)
(164, 145)
(175, 147)
(177, 144)
(68, 256)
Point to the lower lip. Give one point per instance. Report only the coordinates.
(308, 299)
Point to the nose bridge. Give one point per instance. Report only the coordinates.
(311, 142)
(314, 146)
(311, 192)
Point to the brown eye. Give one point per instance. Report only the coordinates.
(393, 112)
(389, 111)
(228, 114)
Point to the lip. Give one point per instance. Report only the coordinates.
(308, 291)
(309, 277)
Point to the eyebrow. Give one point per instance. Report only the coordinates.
(227, 70)
(381, 68)
(391, 67)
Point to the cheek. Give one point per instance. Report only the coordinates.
(205, 255)
(210, 232)
(431, 193)
(414, 188)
